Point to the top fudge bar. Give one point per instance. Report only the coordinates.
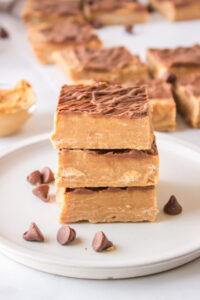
(112, 12)
(102, 116)
(177, 10)
(51, 10)
(181, 61)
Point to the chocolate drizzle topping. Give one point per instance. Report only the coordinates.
(104, 59)
(70, 30)
(178, 57)
(111, 100)
(57, 7)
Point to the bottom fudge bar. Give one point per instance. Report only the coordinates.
(162, 104)
(106, 205)
(187, 92)
(86, 168)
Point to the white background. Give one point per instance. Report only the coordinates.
(17, 61)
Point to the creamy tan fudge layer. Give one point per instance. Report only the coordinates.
(112, 12)
(98, 168)
(48, 37)
(182, 61)
(178, 10)
(162, 104)
(187, 91)
(102, 116)
(117, 64)
(51, 10)
(15, 105)
(106, 205)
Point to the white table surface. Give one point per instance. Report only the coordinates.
(17, 61)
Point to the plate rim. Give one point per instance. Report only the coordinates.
(12, 247)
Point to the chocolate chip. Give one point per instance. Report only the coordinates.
(129, 29)
(100, 242)
(41, 191)
(150, 8)
(172, 207)
(33, 234)
(96, 24)
(47, 175)
(169, 77)
(35, 177)
(3, 33)
(65, 235)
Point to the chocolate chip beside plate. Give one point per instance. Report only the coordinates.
(41, 191)
(33, 234)
(129, 29)
(172, 207)
(169, 77)
(66, 235)
(100, 242)
(35, 177)
(3, 33)
(47, 175)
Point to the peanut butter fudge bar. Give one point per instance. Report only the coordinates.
(112, 12)
(97, 168)
(162, 104)
(48, 37)
(187, 91)
(102, 116)
(51, 10)
(182, 61)
(117, 64)
(178, 10)
(133, 204)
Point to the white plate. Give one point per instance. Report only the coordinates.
(141, 249)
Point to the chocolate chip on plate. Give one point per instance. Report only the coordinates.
(129, 29)
(47, 175)
(35, 177)
(66, 235)
(41, 191)
(33, 234)
(172, 207)
(96, 24)
(100, 242)
(169, 77)
(3, 33)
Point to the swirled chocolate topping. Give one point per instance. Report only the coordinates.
(107, 189)
(191, 84)
(70, 30)
(110, 100)
(104, 59)
(156, 89)
(111, 5)
(179, 3)
(178, 57)
(57, 7)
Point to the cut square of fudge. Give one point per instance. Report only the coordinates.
(177, 10)
(48, 37)
(97, 168)
(102, 116)
(187, 91)
(162, 104)
(106, 205)
(182, 61)
(51, 10)
(83, 65)
(112, 12)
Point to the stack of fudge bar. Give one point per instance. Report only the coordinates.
(107, 156)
